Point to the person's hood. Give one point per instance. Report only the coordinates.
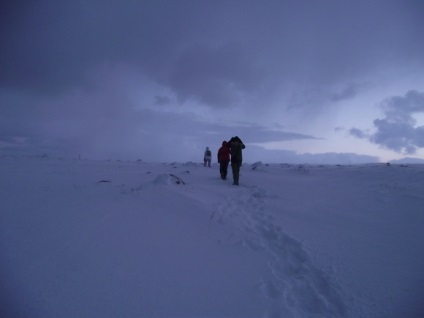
(224, 143)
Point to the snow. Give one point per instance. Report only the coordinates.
(83, 238)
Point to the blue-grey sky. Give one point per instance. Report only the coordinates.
(298, 81)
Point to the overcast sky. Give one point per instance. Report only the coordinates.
(302, 81)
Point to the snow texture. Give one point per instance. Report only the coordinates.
(131, 239)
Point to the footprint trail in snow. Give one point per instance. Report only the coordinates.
(294, 286)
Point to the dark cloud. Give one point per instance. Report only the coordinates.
(104, 123)
(357, 133)
(162, 100)
(107, 78)
(214, 75)
(50, 46)
(398, 130)
(206, 51)
(259, 134)
(347, 92)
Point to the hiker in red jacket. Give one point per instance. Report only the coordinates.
(224, 159)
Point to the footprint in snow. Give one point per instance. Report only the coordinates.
(295, 285)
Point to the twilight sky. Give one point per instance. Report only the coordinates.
(298, 81)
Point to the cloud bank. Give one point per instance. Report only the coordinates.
(163, 79)
(398, 129)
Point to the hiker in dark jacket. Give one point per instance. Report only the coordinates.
(224, 159)
(236, 147)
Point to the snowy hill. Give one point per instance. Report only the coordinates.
(130, 239)
(408, 160)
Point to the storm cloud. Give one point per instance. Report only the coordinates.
(136, 78)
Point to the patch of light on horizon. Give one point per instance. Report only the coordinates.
(353, 145)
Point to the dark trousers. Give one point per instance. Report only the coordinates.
(236, 171)
(223, 169)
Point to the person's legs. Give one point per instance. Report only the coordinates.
(236, 170)
(222, 170)
(225, 169)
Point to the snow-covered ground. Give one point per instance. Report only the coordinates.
(130, 239)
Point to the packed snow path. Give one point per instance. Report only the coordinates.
(294, 286)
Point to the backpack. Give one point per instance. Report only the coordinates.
(208, 153)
